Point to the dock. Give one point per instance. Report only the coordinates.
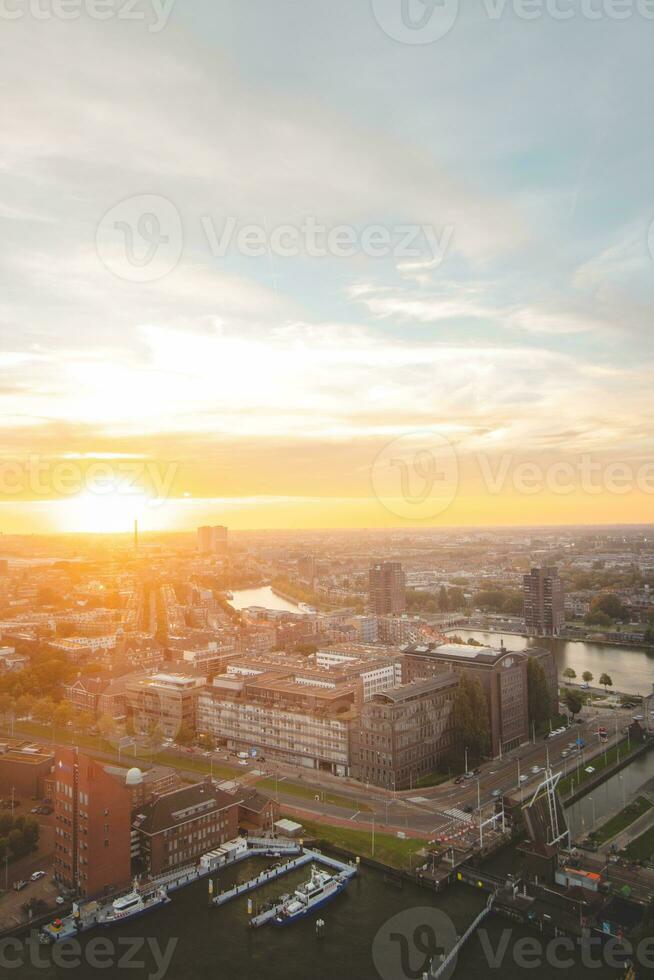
(271, 874)
(344, 871)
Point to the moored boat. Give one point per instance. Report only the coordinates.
(311, 895)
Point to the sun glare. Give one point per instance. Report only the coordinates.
(109, 513)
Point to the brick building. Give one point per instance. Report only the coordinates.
(92, 825)
(23, 768)
(178, 827)
(502, 674)
(544, 602)
(404, 732)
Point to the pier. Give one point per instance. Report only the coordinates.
(270, 874)
(461, 941)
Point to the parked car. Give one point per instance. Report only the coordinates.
(496, 793)
(37, 875)
(19, 885)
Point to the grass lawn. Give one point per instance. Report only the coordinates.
(622, 820)
(95, 743)
(641, 849)
(389, 850)
(64, 736)
(310, 793)
(600, 762)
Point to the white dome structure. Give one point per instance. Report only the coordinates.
(134, 777)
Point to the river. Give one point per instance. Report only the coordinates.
(631, 669)
(217, 943)
(264, 597)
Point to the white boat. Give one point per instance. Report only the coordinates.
(321, 888)
(131, 905)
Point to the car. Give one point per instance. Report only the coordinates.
(536, 770)
(60, 900)
(19, 885)
(476, 772)
(37, 875)
(242, 762)
(496, 793)
(458, 780)
(565, 754)
(524, 778)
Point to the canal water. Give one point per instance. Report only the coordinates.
(217, 943)
(610, 796)
(631, 669)
(264, 597)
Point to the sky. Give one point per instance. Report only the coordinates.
(310, 264)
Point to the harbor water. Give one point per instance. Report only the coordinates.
(214, 942)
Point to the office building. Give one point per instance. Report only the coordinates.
(178, 827)
(164, 701)
(544, 602)
(272, 714)
(503, 677)
(387, 589)
(92, 825)
(212, 540)
(404, 732)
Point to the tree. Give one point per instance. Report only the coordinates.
(25, 706)
(569, 673)
(185, 735)
(6, 704)
(606, 681)
(62, 714)
(43, 710)
(443, 602)
(538, 693)
(84, 721)
(587, 677)
(598, 618)
(611, 605)
(107, 727)
(471, 717)
(573, 702)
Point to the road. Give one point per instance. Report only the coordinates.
(418, 811)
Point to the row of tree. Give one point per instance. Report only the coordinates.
(605, 679)
(18, 835)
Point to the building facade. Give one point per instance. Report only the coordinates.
(387, 589)
(404, 732)
(92, 826)
(270, 715)
(212, 540)
(544, 602)
(164, 701)
(178, 827)
(501, 673)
